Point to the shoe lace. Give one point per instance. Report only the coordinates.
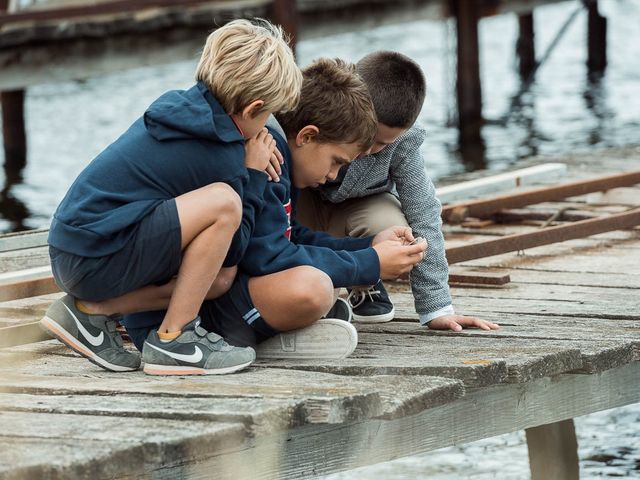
(358, 295)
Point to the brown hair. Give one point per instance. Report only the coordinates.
(397, 87)
(336, 100)
(245, 61)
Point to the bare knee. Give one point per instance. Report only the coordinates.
(313, 291)
(226, 204)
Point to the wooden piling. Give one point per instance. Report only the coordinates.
(285, 14)
(15, 140)
(525, 47)
(553, 451)
(596, 39)
(468, 91)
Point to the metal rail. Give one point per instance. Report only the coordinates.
(560, 233)
(487, 207)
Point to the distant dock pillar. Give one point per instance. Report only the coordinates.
(285, 14)
(468, 91)
(525, 47)
(15, 139)
(596, 39)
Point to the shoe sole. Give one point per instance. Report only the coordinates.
(328, 338)
(155, 369)
(382, 318)
(55, 329)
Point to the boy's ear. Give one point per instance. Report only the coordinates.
(306, 135)
(252, 109)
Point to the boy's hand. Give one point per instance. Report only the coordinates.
(397, 259)
(457, 322)
(396, 233)
(260, 154)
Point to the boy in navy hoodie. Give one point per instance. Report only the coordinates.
(173, 201)
(288, 275)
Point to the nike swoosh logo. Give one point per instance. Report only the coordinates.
(92, 339)
(195, 357)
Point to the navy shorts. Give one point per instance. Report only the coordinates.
(152, 256)
(231, 316)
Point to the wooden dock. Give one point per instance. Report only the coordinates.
(569, 345)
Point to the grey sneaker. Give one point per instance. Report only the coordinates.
(194, 352)
(92, 336)
(328, 338)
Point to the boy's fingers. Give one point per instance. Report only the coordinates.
(272, 173)
(275, 164)
(279, 155)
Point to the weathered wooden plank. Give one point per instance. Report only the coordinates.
(597, 354)
(457, 357)
(479, 414)
(321, 397)
(105, 446)
(501, 182)
(23, 240)
(23, 259)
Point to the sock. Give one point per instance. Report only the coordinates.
(168, 336)
(83, 308)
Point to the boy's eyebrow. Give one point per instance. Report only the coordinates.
(341, 160)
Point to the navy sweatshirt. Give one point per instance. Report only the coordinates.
(184, 141)
(279, 243)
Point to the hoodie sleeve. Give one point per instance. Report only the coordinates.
(251, 190)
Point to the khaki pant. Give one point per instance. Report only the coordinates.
(356, 217)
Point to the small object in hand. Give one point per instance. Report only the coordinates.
(416, 240)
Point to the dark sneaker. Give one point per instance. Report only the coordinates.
(92, 336)
(194, 352)
(371, 304)
(340, 310)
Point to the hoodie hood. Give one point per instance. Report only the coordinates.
(188, 114)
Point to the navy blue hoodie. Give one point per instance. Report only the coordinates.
(279, 243)
(184, 141)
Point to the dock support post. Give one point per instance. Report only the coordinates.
(468, 90)
(553, 451)
(596, 39)
(285, 13)
(525, 46)
(15, 140)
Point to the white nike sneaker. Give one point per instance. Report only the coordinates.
(328, 338)
(93, 336)
(194, 352)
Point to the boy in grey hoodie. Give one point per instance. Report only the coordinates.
(389, 186)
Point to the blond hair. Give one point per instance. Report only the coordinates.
(337, 101)
(245, 61)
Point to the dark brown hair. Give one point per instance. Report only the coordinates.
(397, 87)
(335, 99)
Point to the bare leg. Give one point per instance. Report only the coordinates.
(293, 298)
(154, 297)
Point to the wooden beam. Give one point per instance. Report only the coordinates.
(485, 208)
(476, 278)
(22, 335)
(285, 14)
(500, 182)
(27, 283)
(545, 236)
(553, 451)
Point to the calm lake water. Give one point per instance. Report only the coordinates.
(564, 111)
